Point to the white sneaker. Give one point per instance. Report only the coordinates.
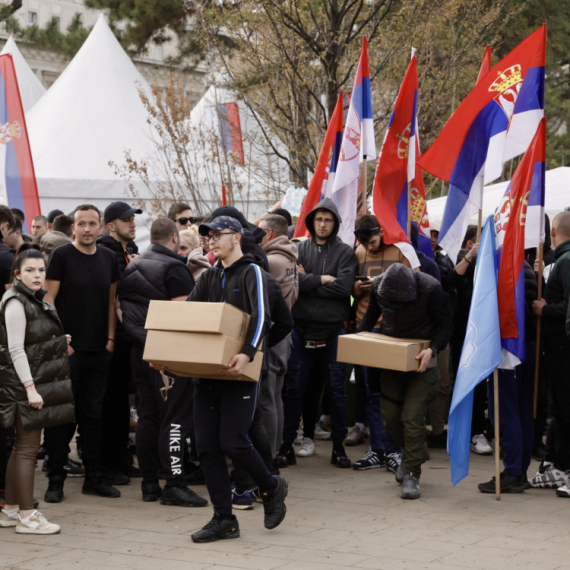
(564, 490)
(550, 478)
(36, 523)
(7, 520)
(480, 445)
(321, 434)
(307, 448)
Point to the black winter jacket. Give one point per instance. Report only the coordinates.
(281, 318)
(557, 293)
(243, 285)
(116, 247)
(46, 349)
(321, 310)
(412, 305)
(142, 282)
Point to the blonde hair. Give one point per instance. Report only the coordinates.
(192, 237)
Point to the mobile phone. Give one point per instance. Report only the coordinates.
(362, 278)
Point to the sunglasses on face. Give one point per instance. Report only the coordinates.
(184, 221)
(364, 236)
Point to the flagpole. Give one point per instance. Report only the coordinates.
(410, 210)
(497, 436)
(479, 224)
(540, 252)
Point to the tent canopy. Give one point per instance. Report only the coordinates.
(31, 88)
(557, 197)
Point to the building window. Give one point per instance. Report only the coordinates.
(32, 18)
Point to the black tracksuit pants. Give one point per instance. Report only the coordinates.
(223, 412)
(162, 426)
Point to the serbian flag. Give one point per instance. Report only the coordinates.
(325, 171)
(495, 123)
(230, 130)
(357, 145)
(17, 176)
(397, 168)
(525, 191)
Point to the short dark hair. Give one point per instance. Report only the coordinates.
(162, 230)
(176, 208)
(25, 251)
(367, 222)
(40, 219)
(17, 227)
(277, 223)
(63, 223)
(470, 235)
(18, 214)
(285, 213)
(6, 215)
(86, 208)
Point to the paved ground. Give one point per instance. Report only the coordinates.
(336, 519)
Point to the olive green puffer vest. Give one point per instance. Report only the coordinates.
(46, 348)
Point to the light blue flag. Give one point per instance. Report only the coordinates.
(481, 353)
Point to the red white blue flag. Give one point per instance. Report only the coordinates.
(325, 170)
(357, 145)
(17, 177)
(230, 130)
(525, 192)
(495, 123)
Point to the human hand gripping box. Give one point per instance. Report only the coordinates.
(382, 351)
(198, 340)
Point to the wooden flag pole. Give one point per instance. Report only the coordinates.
(497, 437)
(539, 257)
(410, 211)
(479, 225)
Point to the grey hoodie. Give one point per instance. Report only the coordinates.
(321, 310)
(282, 256)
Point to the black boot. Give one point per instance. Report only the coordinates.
(181, 497)
(151, 491)
(101, 488)
(217, 529)
(274, 504)
(54, 493)
(339, 457)
(286, 455)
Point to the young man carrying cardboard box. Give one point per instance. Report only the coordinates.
(412, 305)
(223, 409)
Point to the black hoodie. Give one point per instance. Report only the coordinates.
(117, 248)
(321, 310)
(243, 285)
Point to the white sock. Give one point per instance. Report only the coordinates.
(12, 511)
(28, 517)
(360, 426)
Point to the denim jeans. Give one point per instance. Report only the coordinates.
(299, 369)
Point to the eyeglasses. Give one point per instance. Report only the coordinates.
(214, 238)
(185, 221)
(364, 236)
(324, 221)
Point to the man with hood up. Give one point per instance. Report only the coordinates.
(412, 305)
(327, 269)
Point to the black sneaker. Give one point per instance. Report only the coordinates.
(181, 497)
(371, 460)
(339, 458)
(274, 503)
(100, 488)
(74, 469)
(54, 493)
(117, 478)
(286, 456)
(509, 484)
(130, 470)
(218, 528)
(538, 451)
(151, 491)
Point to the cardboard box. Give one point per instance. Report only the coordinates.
(381, 351)
(198, 339)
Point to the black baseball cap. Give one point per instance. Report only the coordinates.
(219, 224)
(116, 210)
(53, 215)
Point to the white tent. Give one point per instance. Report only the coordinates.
(89, 117)
(557, 197)
(264, 177)
(31, 88)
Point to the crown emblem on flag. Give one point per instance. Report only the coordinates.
(418, 205)
(507, 79)
(404, 142)
(524, 207)
(9, 131)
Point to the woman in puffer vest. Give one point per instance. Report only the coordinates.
(35, 389)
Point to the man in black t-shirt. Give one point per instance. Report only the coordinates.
(81, 282)
(162, 426)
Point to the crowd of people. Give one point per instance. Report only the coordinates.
(72, 337)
